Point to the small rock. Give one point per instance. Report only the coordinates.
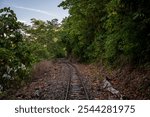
(37, 93)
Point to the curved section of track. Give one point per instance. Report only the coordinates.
(76, 89)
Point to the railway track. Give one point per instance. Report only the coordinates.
(76, 89)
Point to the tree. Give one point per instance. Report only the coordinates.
(115, 31)
(14, 53)
(85, 25)
(44, 40)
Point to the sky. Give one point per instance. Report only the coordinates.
(39, 9)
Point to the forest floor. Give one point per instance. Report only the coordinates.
(49, 81)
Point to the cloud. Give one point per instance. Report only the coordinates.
(34, 10)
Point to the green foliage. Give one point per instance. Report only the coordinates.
(127, 34)
(43, 39)
(15, 56)
(83, 27)
(22, 45)
(110, 30)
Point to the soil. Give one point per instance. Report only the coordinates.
(50, 81)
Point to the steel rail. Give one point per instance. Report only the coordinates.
(71, 66)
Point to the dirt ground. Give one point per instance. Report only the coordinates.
(49, 82)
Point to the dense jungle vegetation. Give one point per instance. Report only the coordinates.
(111, 32)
